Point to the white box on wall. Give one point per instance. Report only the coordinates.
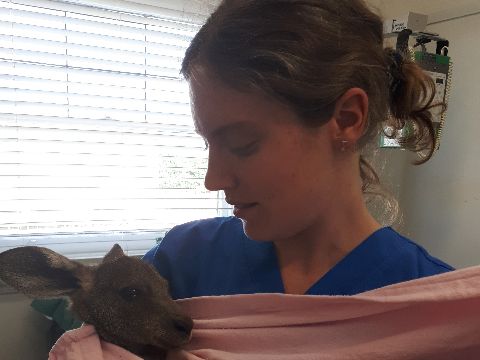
(413, 21)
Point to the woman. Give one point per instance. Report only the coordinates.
(286, 94)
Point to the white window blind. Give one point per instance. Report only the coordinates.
(97, 144)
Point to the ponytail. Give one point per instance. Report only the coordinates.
(412, 93)
(409, 120)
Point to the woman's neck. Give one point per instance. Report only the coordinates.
(309, 255)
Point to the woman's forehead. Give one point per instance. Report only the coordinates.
(216, 105)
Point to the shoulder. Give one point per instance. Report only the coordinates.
(402, 259)
(384, 258)
(198, 234)
(190, 252)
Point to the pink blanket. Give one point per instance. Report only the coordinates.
(431, 318)
(84, 344)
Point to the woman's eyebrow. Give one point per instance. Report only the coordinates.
(227, 130)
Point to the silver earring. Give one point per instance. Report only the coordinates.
(343, 147)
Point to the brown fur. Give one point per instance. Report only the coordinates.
(124, 298)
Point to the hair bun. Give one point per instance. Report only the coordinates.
(396, 61)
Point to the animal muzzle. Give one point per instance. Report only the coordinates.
(183, 327)
(175, 334)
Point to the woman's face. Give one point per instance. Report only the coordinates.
(278, 175)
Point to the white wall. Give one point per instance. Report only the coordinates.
(23, 331)
(441, 199)
(392, 8)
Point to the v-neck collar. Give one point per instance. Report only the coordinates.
(264, 272)
(262, 266)
(350, 272)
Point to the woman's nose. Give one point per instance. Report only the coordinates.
(219, 176)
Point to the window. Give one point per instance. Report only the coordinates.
(97, 144)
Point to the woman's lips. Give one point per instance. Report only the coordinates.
(241, 210)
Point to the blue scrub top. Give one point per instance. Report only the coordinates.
(215, 257)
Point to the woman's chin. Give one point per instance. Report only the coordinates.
(256, 230)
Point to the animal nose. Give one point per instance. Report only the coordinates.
(183, 326)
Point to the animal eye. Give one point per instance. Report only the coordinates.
(130, 294)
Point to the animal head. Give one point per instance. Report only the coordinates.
(124, 298)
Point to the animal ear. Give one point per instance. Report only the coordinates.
(115, 253)
(40, 272)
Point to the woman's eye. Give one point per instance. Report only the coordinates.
(246, 150)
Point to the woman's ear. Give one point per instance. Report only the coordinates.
(349, 118)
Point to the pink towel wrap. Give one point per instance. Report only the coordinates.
(434, 318)
(84, 344)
